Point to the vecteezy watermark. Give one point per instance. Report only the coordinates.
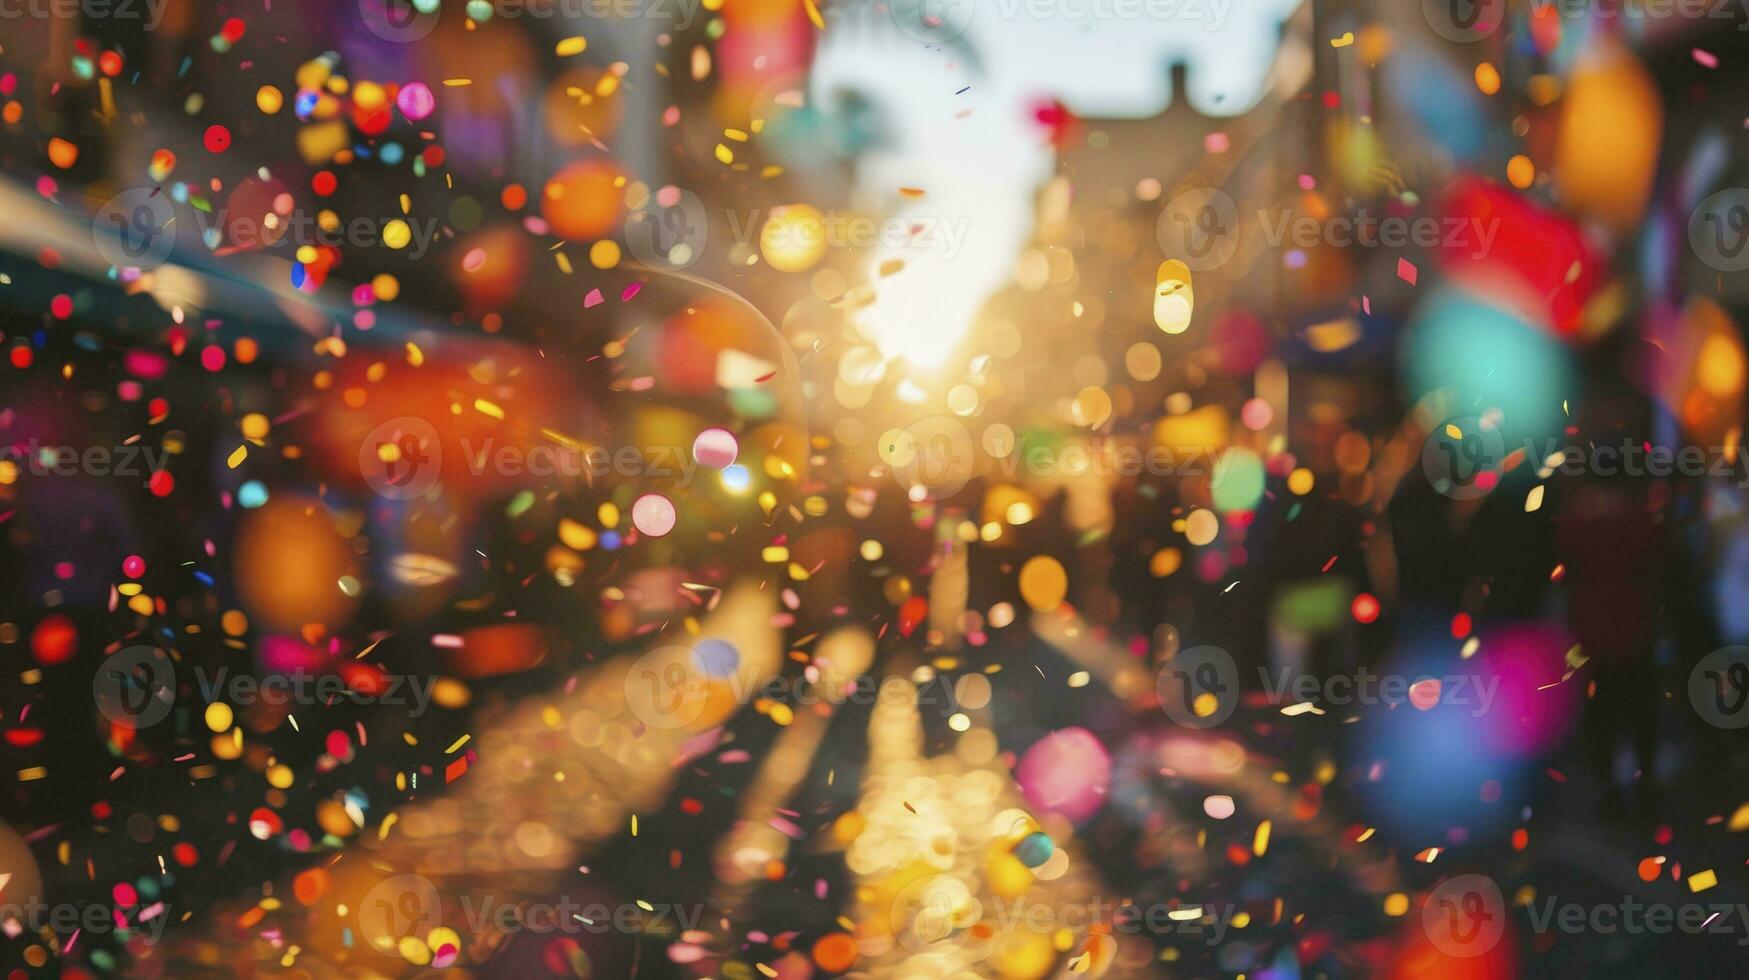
(406, 21)
(1465, 459)
(812, 231)
(151, 12)
(33, 915)
(1202, 229)
(543, 460)
(1639, 918)
(1472, 20)
(1462, 457)
(409, 907)
(1718, 229)
(671, 227)
(136, 229)
(302, 687)
(935, 457)
(940, 21)
(402, 458)
(935, 916)
(1718, 687)
(136, 687)
(671, 686)
(668, 228)
(1473, 236)
(135, 461)
(1465, 917)
(1199, 688)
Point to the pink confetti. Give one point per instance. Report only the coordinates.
(1407, 272)
(593, 299)
(1706, 58)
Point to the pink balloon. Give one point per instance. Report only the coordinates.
(653, 514)
(1066, 772)
(715, 448)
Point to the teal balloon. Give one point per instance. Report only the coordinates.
(1489, 359)
(1035, 849)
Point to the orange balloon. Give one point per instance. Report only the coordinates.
(289, 560)
(584, 201)
(835, 952)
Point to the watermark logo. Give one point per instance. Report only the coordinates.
(1202, 229)
(669, 687)
(397, 908)
(1461, 458)
(134, 229)
(1464, 21)
(1199, 228)
(1719, 687)
(932, 21)
(72, 919)
(399, 21)
(1199, 687)
(401, 458)
(668, 229)
(932, 458)
(135, 687)
(408, 907)
(936, 915)
(134, 460)
(666, 688)
(149, 11)
(940, 21)
(931, 916)
(1718, 230)
(1465, 458)
(406, 21)
(1465, 916)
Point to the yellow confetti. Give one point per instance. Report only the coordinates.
(571, 46)
(488, 409)
(814, 15)
(238, 456)
(458, 744)
(1344, 41)
(1260, 843)
(1702, 880)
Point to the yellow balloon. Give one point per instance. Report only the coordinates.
(1043, 583)
(793, 238)
(1024, 956)
(1173, 300)
(1608, 144)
